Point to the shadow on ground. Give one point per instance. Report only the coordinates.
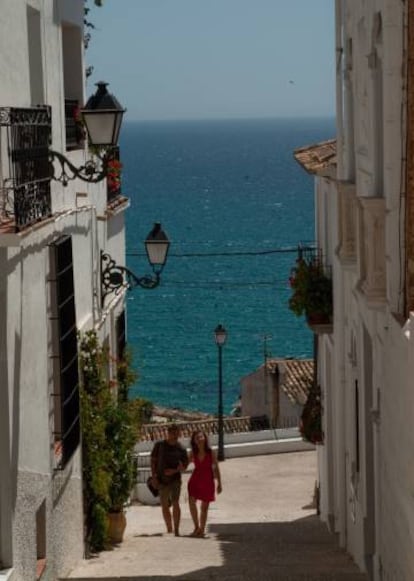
(301, 550)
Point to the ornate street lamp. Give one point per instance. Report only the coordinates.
(114, 277)
(102, 117)
(220, 335)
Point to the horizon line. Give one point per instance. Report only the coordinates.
(216, 119)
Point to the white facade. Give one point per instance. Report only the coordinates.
(366, 365)
(42, 62)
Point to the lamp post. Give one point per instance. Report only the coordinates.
(115, 277)
(220, 335)
(102, 118)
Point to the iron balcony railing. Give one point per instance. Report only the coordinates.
(25, 190)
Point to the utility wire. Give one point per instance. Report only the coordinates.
(207, 284)
(230, 253)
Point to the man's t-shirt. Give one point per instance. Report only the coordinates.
(169, 456)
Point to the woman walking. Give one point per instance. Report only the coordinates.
(201, 483)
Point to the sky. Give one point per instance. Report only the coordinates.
(215, 59)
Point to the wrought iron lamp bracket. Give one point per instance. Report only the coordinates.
(94, 170)
(114, 277)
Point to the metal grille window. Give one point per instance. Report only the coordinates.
(66, 392)
(26, 191)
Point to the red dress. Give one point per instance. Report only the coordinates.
(201, 483)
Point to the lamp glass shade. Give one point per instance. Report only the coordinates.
(102, 116)
(103, 127)
(157, 245)
(220, 335)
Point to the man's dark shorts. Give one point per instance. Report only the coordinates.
(170, 492)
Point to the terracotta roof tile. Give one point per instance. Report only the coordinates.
(296, 377)
(317, 157)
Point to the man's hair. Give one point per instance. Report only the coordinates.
(173, 428)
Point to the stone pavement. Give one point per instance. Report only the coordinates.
(261, 528)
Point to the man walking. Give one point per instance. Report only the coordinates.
(168, 460)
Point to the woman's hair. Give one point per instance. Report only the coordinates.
(193, 442)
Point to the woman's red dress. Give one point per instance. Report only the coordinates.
(201, 483)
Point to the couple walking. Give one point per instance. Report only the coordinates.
(168, 460)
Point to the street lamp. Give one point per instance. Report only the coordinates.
(114, 277)
(220, 335)
(102, 118)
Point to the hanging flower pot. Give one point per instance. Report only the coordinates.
(311, 291)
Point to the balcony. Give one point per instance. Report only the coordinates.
(312, 292)
(25, 185)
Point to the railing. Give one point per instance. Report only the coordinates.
(158, 431)
(75, 132)
(25, 192)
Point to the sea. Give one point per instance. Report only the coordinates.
(235, 205)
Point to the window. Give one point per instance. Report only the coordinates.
(73, 84)
(41, 540)
(357, 455)
(34, 40)
(64, 334)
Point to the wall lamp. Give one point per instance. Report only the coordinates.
(115, 277)
(102, 119)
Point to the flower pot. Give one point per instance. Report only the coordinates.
(319, 323)
(117, 525)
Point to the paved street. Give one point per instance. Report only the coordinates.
(262, 527)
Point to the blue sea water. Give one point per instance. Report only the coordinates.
(221, 187)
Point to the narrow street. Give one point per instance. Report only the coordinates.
(262, 527)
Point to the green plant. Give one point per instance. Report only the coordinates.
(96, 455)
(121, 437)
(311, 289)
(110, 426)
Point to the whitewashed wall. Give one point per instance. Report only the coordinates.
(27, 478)
(371, 347)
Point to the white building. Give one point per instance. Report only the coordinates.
(365, 230)
(51, 238)
(277, 390)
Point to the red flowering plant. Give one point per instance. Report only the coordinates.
(113, 176)
(311, 289)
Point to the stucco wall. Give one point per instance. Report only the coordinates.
(253, 395)
(27, 475)
(366, 366)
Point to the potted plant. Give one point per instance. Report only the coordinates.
(311, 291)
(121, 439)
(311, 419)
(96, 400)
(123, 423)
(110, 425)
